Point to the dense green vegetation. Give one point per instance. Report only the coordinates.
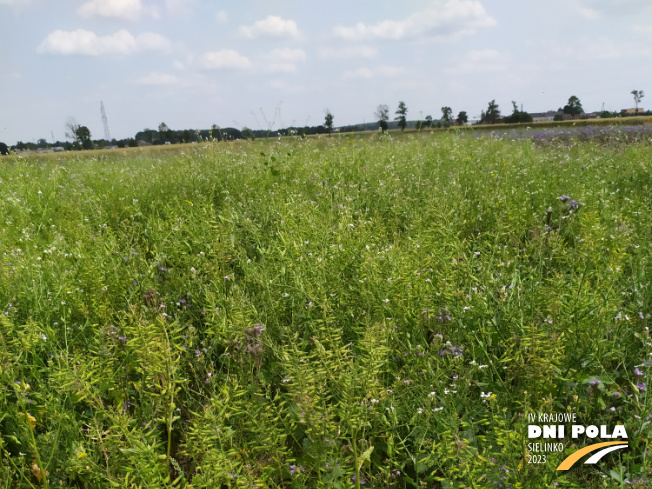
(325, 312)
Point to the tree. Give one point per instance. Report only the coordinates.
(447, 116)
(382, 115)
(248, 133)
(71, 129)
(462, 118)
(518, 115)
(83, 136)
(163, 130)
(638, 95)
(574, 106)
(401, 115)
(328, 122)
(428, 121)
(491, 115)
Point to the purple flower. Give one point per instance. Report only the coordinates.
(637, 372)
(594, 382)
(573, 204)
(363, 481)
(642, 386)
(564, 198)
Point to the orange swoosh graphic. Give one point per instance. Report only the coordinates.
(574, 457)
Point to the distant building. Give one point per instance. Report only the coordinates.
(544, 116)
(58, 148)
(640, 110)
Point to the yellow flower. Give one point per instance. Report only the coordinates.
(37, 471)
(32, 420)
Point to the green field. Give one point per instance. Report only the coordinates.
(323, 312)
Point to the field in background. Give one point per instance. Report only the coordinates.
(329, 312)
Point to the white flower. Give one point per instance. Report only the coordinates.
(432, 394)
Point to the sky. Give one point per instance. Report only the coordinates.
(273, 64)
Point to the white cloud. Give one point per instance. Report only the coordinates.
(15, 3)
(83, 42)
(116, 9)
(479, 61)
(443, 22)
(348, 52)
(225, 59)
(285, 60)
(378, 71)
(359, 73)
(643, 29)
(588, 13)
(221, 17)
(180, 7)
(152, 42)
(619, 8)
(156, 78)
(272, 26)
(288, 54)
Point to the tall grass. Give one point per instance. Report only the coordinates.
(322, 313)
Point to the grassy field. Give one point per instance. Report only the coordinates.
(328, 312)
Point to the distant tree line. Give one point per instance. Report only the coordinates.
(81, 135)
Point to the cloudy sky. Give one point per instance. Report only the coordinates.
(194, 63)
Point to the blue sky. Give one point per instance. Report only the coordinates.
(194, 63)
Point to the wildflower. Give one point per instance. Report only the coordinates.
(420, 410)
(642, 386)
(637, 372)
(564, 198)
(363, 481)
(594, 382)
(573, 204)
